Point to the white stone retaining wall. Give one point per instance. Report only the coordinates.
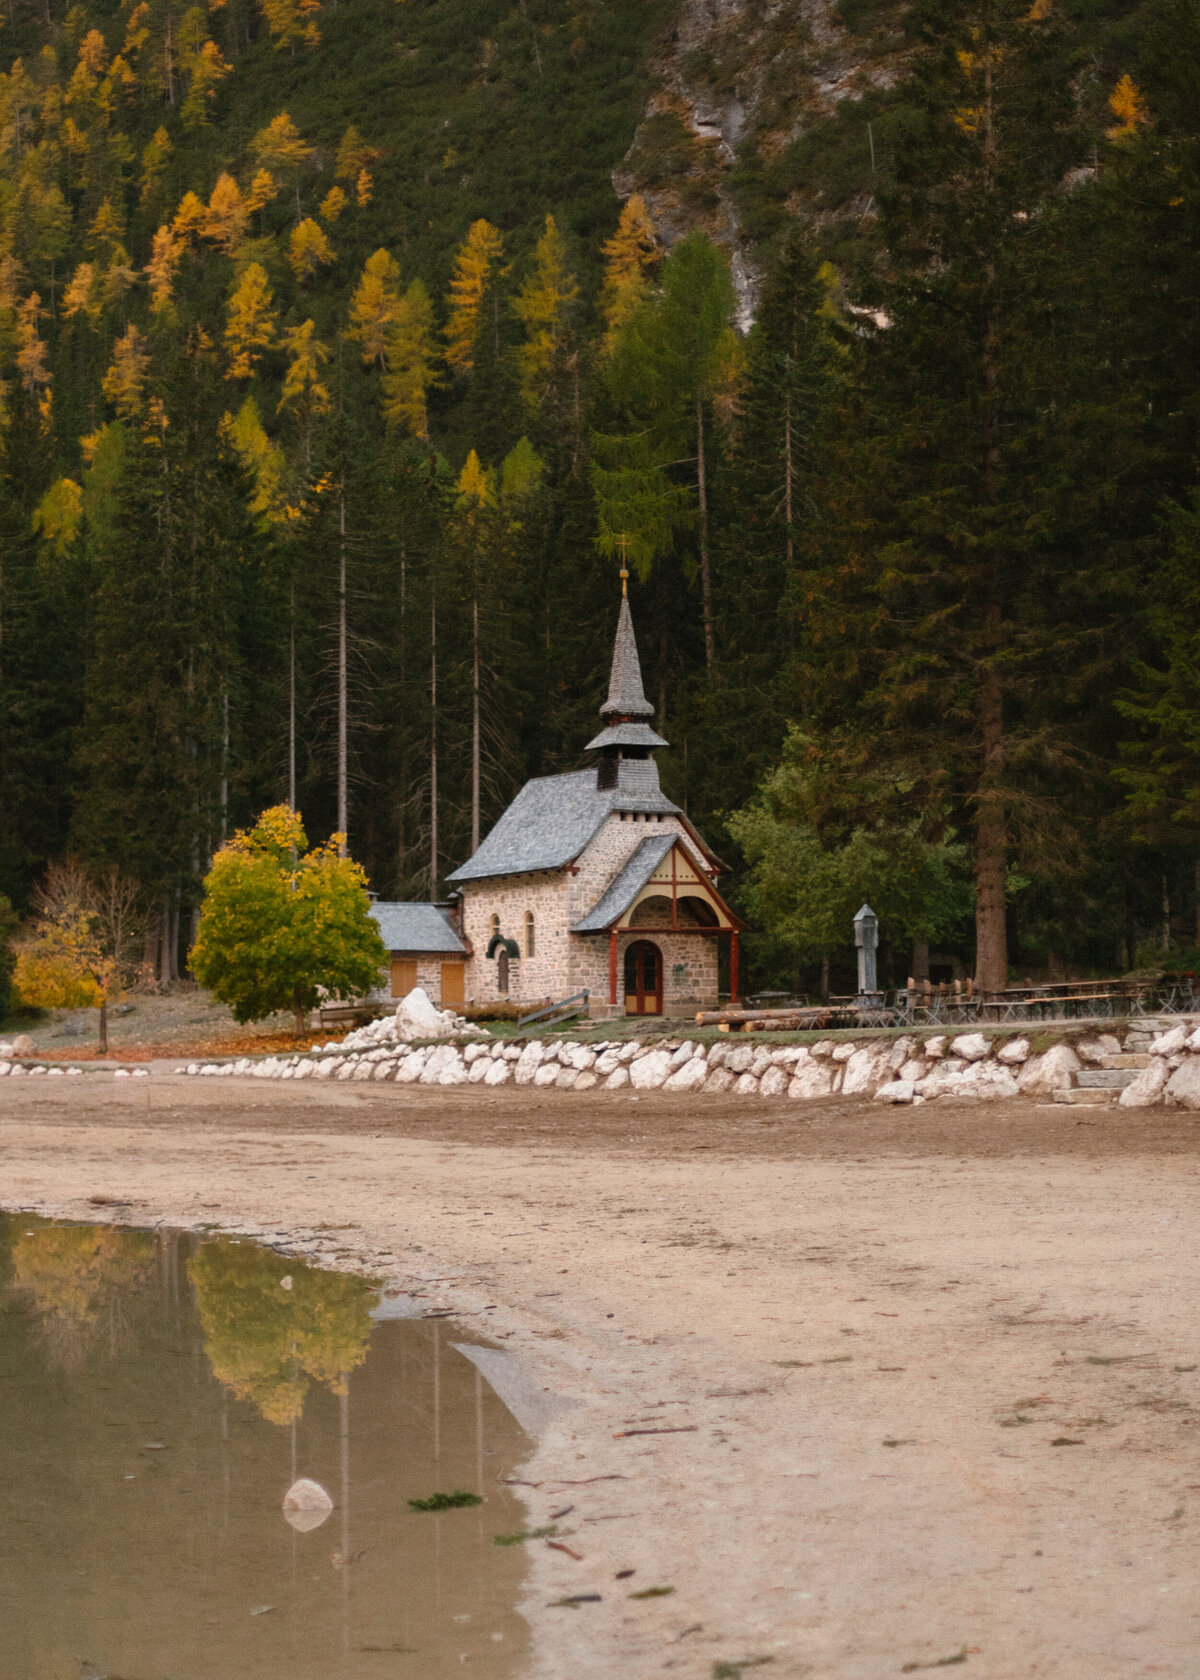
(1154, 1062)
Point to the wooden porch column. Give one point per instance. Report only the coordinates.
(733, 967)
(612, 966)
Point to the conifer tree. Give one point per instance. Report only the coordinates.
(411, 355)
(543, 308)
(308, 250)
(250, 322)
(375, 305)
(474, 264)
(629, 259)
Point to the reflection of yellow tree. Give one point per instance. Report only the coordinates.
(77, 1276)
(265, 1341)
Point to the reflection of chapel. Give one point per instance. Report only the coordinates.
(592, 881)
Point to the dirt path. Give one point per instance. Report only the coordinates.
(865, 1332)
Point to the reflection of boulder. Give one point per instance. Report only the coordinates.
(306, 1505)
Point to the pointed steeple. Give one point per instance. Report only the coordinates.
(626, 710)
(626, 694)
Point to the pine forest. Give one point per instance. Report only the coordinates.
(350, 347)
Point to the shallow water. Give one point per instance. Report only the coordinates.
(159, 1394)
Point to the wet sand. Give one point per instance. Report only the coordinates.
(869, 1389)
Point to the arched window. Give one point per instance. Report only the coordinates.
(529, 934)
(495, 926)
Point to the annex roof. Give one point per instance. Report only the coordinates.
(627, 884)
(417, 928)
(550, 822)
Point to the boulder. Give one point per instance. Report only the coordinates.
(972, 1047)
(499, 1073)
(717, 1054)
(566, 1078)
(1146, 1091)
(410, 1068)
(900, 1052)
(529, 1061)
(649, 1072)
(747, 1085)
(811, 1079)
(416, 1017)
(896, 1091)
(617, 1078)
(605, 1064)
(683, 1055)
(546, 1074)
(1170, 1042)
(628, 1051)
(1051, 1071)
(473, 1052)
(584, 1081)
(1093, 1050)
(381, 1070)
(1013, 1051)
(823, 1047)
(454, 1073)
(306, 1505)
(480, 1067)
(739, 1058)
(580, 1057)
(914, 1070)
(990, 1081)
(773, 1082)
(935, 1047)
(843, 1052)
(860, 1071)
(719, 1079)
(688, 1076)
(22, 1045)
(1183, 1087)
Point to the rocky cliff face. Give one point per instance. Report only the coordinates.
(740, 86)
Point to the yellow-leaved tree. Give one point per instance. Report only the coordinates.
(353, 165)
(375, 305)
(629, 257)
(290, 21)
(281, 149)
(332, 204)
(543, 307)
(309, 250)
(280, 926)
(227, 215)
(304, 392)
(474, 261)
(249, 323)
(125, 382)
(411, 356)
(1129, 107)
(82, 945)
(264, 460)
(166, 252)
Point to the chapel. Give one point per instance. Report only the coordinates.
(590, 881)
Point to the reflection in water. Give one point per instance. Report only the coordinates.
(160, 1394)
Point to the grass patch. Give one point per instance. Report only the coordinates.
(455, 1501)
(653, 1592)
(527, 1534)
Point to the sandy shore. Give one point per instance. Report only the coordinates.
(868, 1390)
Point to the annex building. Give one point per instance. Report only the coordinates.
(590, 881)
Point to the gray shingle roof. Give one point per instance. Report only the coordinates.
(626, 735)
(417, 928)
(626, 695)
(552, 819)
(628, 884)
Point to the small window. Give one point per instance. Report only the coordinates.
(529, 934)
(495, 926)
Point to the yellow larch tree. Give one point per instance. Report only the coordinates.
(264, 460)
(262, 189)
(81, 295)
(542, 306)
(629, 256)
(304, 392)
(207, 69)
(282, 149)
(227, 215)
(290, 21)
(1128, 106)
(309, 250)
(125, 382)
(190, 217)
(362, 189)
(332, 204)
(411, 356)
(375, 304)
(250, 322)
(154, 162)
(473, 264)
(166, 251)
(31, 348)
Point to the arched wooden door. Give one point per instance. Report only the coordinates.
(643, 979)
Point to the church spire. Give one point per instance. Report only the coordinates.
(627, 709)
